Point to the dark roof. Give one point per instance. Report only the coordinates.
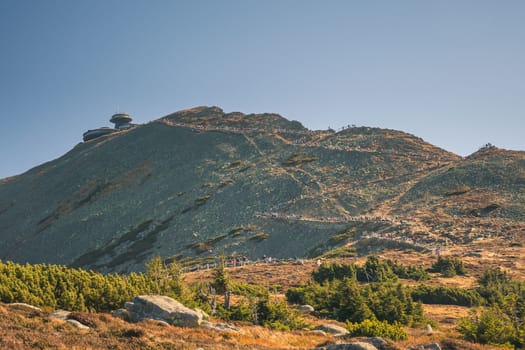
(120, 117)
(93, 134)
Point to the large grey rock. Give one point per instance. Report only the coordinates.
(332, 328)
(159, 307)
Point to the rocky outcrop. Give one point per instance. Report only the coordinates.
(163, 308)
(24, 306)
(332, 329)
(65, 316)
(432, 346)
(349, 346)
(123, 314)
(61, 315)
(77, 324)
(378, 342)
(372, 343)
(220, 327)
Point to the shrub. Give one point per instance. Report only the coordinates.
(504, 321)
(334, 271)
(375, 328)
(264, 311)
(446, 295)
(489, 327)
(296, 295)
(374, 270)
(277, 315)
(57, 286)
(449, 266)
(241, 311)
(248, 290)
(221, 277)
(411, 272)
(348, 300)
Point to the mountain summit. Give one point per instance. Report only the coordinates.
(200, 182)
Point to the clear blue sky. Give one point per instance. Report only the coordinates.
(451, 72)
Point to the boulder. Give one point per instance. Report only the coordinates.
(220, 327)
(77, 324)
(350, 346)
(60, 315)
(123, 314)
(332, 328)
(305, 308)
(433, 346)
(428, 329)
(378, 342)
(163, 308)
(24, 306)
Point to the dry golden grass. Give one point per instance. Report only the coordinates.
(23, 329)
(446, 316)
(268, 275)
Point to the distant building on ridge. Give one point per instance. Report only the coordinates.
(122, 121)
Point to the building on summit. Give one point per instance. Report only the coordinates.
(122, 121)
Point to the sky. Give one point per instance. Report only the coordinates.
(449, 71)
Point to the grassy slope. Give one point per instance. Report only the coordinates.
(182, 186)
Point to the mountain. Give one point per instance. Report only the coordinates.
(200, 182)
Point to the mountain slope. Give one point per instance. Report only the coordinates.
(199, 182)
